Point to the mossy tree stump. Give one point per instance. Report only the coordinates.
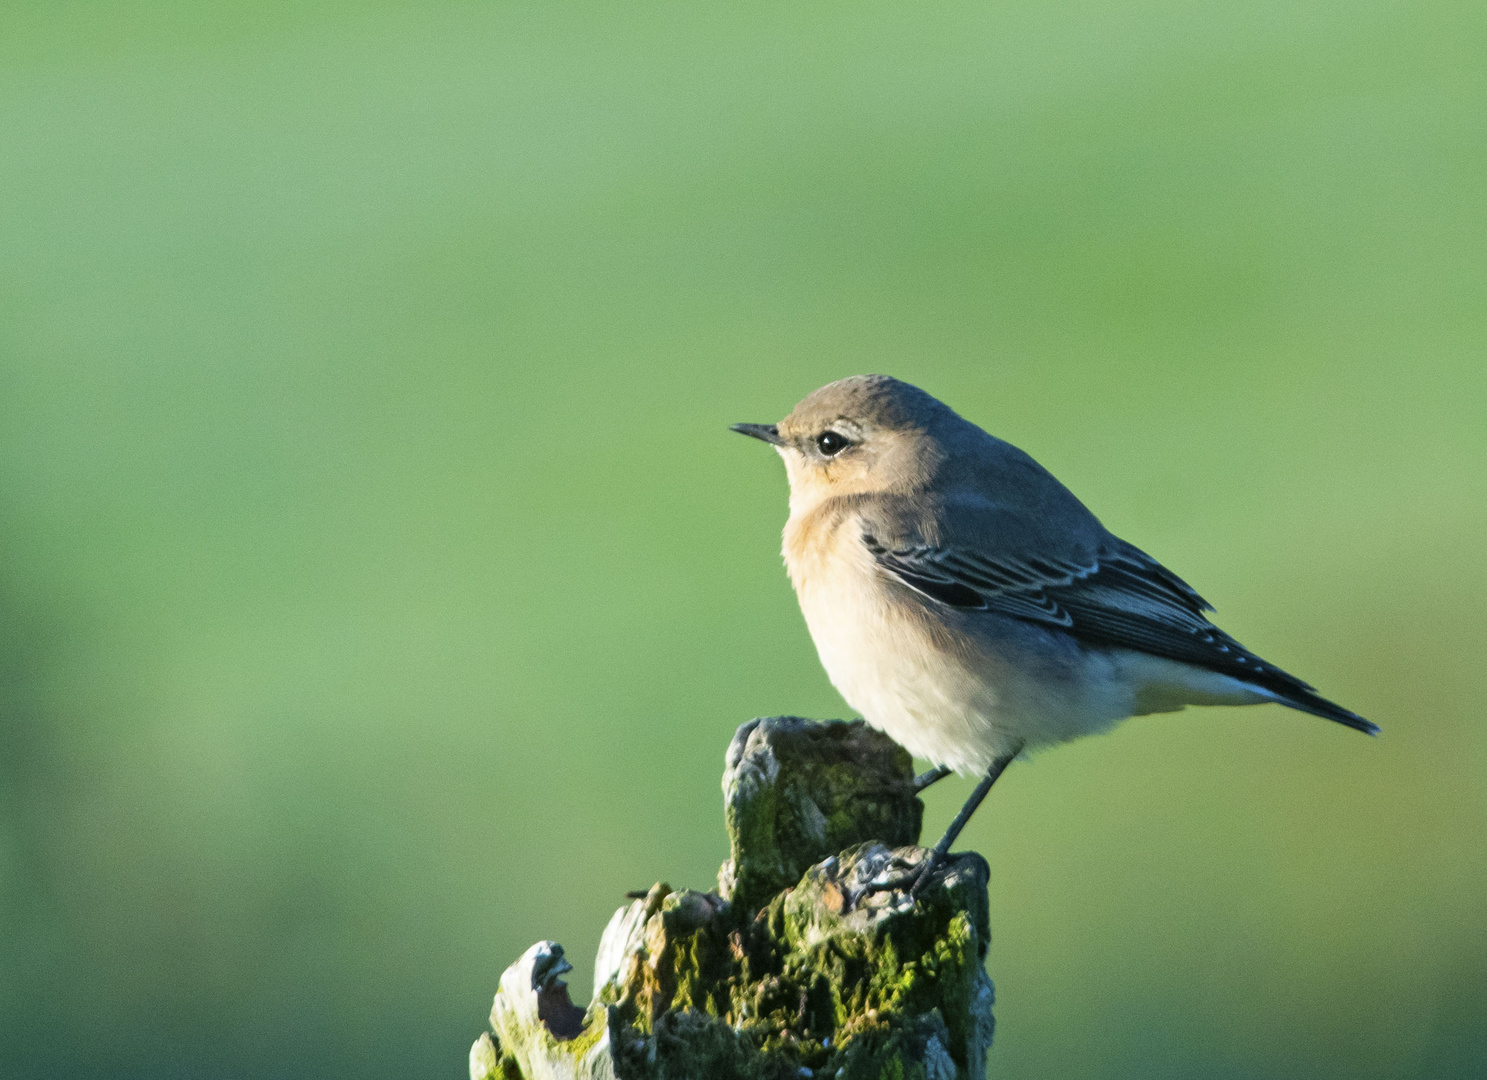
(791, 969)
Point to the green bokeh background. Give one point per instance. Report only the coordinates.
(380, 585)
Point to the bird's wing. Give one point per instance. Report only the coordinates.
(1116, 596)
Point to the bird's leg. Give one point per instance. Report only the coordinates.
(942, 849)
(917, 880)
(932, 776)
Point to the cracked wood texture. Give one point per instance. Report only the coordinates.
(791, 970)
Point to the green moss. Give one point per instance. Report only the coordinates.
(818, 979)
(490, 1061)
(797, 792)
(808, 971)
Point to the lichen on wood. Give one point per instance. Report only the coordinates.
(793, 969)
(798, 791)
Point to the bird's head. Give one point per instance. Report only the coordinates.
(863, 434)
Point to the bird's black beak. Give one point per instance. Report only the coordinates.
(767, 432)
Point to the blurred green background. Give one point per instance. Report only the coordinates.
(380, 585)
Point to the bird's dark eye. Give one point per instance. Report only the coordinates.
(831, 443)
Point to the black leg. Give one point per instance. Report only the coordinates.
(941, 849)
(933, 776)
(917, 881)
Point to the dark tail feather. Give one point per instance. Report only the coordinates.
(1308, 702)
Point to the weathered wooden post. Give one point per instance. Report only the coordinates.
(790, 970)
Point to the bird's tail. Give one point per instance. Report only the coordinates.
(1295, 694)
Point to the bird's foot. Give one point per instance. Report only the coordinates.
(913, 880)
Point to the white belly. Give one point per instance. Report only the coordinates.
(964, 699)
(945, 697)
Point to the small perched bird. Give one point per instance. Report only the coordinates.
(966, 603)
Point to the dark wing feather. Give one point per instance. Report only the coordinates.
(1120, 598)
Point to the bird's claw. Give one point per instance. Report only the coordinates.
(913, 881)
(893, 884)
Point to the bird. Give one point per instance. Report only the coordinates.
(968, 605)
